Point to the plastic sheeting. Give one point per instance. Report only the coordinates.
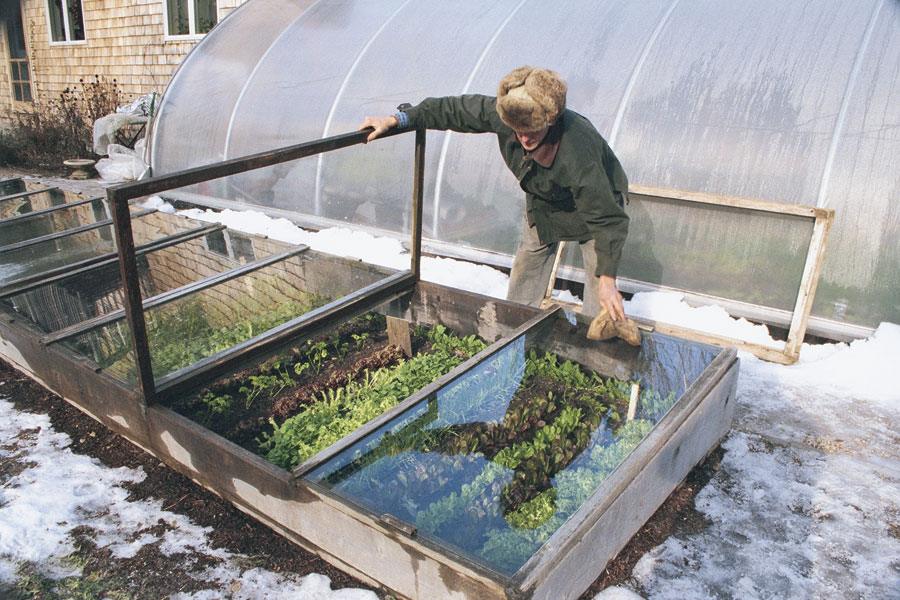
(794, 102)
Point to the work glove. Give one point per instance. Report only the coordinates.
(604, 328)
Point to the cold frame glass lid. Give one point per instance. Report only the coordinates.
(21, 202)
(62, 219)
(66, 301)
(214, 319)
(34, 259)
(492, 464)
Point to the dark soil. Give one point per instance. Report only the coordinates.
(150, 574)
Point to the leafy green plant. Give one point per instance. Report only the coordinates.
(340, 411)
(215, 403)
(317, 354)
(359, 339)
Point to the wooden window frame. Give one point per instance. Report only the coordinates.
(15, 84)
(822, 219)
(192, 23)
(67, 30)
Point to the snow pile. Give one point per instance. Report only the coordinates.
(670, 307)
(859, 368)
(341, 241)
(57, 490)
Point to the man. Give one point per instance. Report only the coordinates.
(575, 188)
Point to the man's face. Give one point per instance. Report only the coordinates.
(531, 139)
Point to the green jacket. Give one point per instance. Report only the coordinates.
(579, 196)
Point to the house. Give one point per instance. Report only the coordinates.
(49, 45)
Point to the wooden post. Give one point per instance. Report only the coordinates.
(399, 335)
(808, 283)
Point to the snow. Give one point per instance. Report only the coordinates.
(60, 490)
(806, 502)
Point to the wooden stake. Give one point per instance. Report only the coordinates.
(633, 401)
(399, 334)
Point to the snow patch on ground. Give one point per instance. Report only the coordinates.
(56, 491)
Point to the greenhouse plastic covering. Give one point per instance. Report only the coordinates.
(786, 101)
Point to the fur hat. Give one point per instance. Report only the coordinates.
(530, 99)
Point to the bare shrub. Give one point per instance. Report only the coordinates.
(61, 128)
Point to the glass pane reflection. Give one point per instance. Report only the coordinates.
(217, 318)
(491, 465)
(52, 254)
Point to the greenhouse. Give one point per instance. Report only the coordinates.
(763, 101)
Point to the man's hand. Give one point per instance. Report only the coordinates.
(380, 124)
(610, 298)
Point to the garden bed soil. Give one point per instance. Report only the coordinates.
(355, 348)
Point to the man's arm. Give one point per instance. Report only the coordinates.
(471, 113)
(608, 224)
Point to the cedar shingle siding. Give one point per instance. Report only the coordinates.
(124, 40)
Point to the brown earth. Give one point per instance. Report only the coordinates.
(150, 574)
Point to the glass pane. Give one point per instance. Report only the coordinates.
(56, 221)
(205, 13)
(217, 318)
(717, 250)
(491, 465)
(18, 93)
(76, 22)
(35, 259)
(57, 26)
(11, 186)
(15, 71)
(215, 242)
(178, 17)
(29, 203)
(26, 92)
(97, 292)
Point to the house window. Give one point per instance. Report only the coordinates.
(66, 20)
(235, 246)
(20, 74)
(190, 17)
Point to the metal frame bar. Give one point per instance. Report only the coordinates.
(68, 232)
(418, 197)
(27, 193)
(171, 295)
(26, 284)
(302, 326)
(44, 211)
(119, 196)
(799, 318)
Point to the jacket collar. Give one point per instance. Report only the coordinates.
(545, 153)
